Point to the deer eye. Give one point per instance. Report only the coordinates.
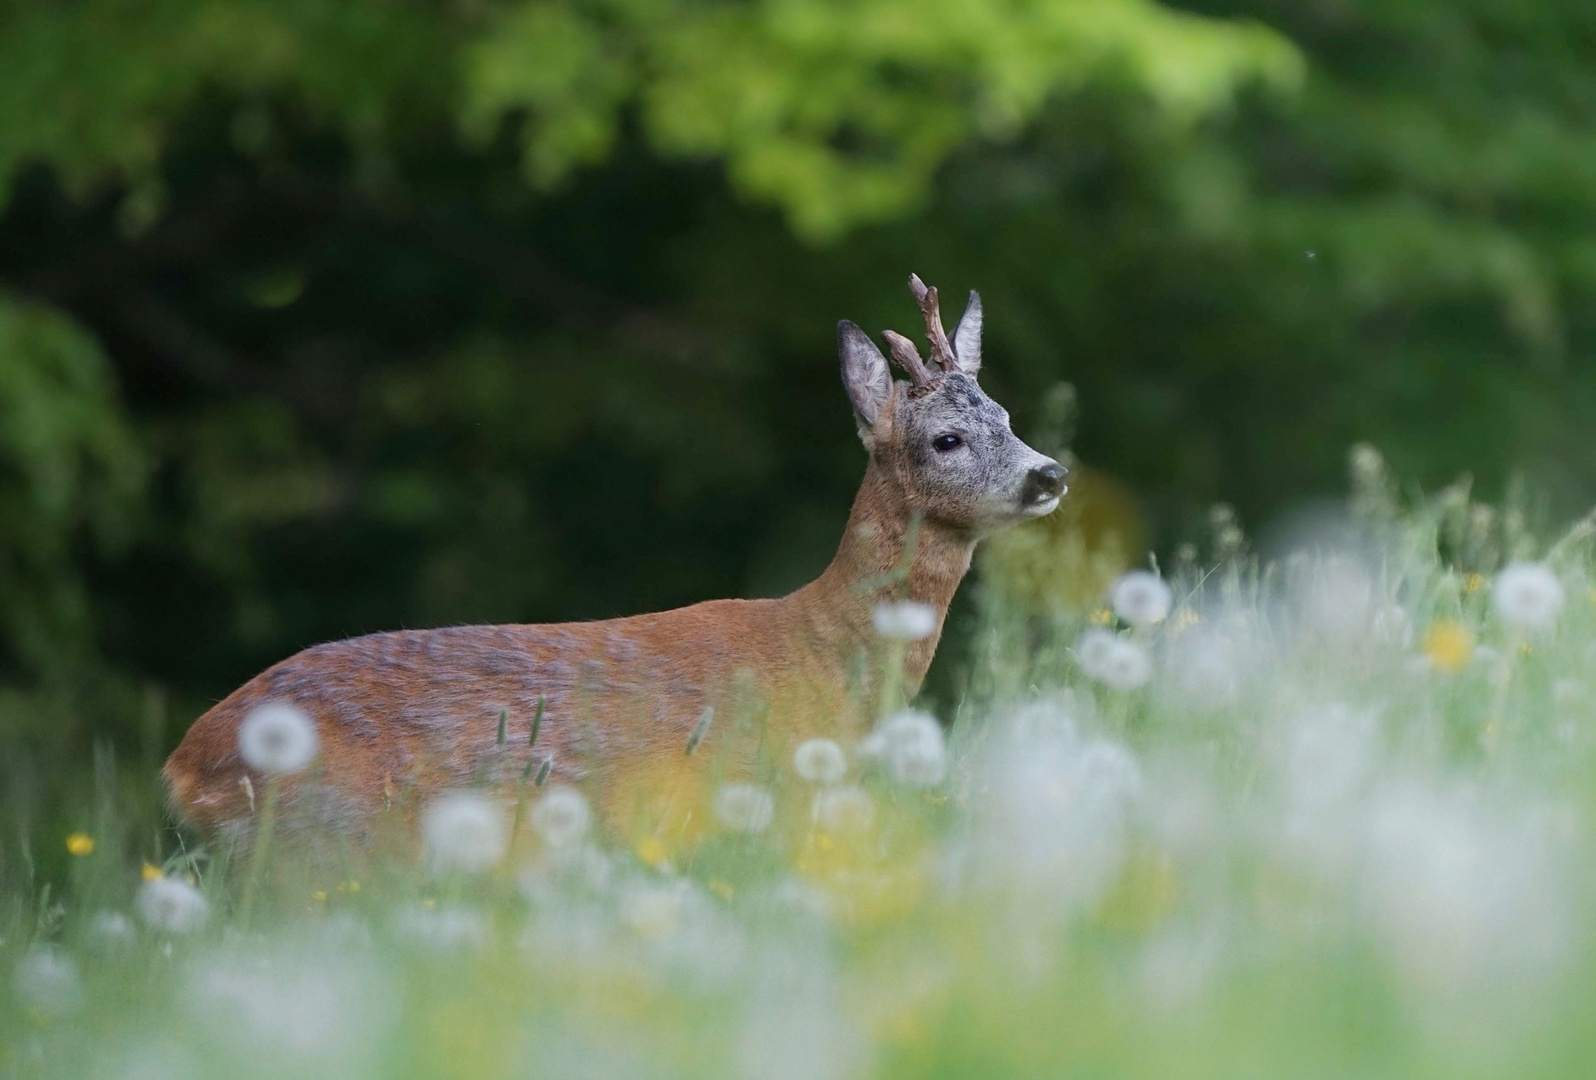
(944, 443)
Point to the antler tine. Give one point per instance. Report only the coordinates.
(926, 297)
(906, 356)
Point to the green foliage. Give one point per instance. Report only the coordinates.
(71, 473)
(838, 113)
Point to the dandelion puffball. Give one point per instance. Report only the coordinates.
(747, 808)
(111, 928)
(1141, 598)
(844, 810)
(464, 832)
(1116, 662)
(905, 621)
(277, 738)
(171, 906)
(46, 979)
(562, 816)
(651, 910)
(820, 761)
(1528, 595)
(912, 744)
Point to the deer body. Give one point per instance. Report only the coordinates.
(412, 713)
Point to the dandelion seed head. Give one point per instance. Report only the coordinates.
(1141, 598)
(277, 738)
(1468, 895)
(1058, 815)
(1210, 666)
(444, 929)
(464, 833)
(560, 871)
(311, 1009)
(653, 909)
(1528, 595)
(844, 810)
(1567, 691)
(820, 761)
(171, 906)
(747, 808)
(562, 816)
(915, 751)
(46, 979)
(906, 620)
(1339, 601)
(1118, 663)
(111, 928)
(1327, 754)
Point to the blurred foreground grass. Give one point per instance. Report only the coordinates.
(1329, 815)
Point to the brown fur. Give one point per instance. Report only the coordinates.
(417, 710)
(404, 715)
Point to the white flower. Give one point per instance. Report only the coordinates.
(1117, 663)
(650, 909)
(171, 906)
(441, 928)
(464, 832)
(47, 980)
(844, 810)
(306, 1009)
(111, 928)
(745, 807)
(277, 738)
(911, 741)
(1528, 595)
(562, 816)
(820, 761)
(905, 621)
(1141, 598)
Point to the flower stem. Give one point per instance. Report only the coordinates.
(259, 853)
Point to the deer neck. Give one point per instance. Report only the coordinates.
(870, 569)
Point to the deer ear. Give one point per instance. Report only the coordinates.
(864, 373)
(967, 338)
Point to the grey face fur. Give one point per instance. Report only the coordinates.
(948, 446)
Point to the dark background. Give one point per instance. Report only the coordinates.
(319, 318)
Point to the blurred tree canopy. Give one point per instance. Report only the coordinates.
(324, 317)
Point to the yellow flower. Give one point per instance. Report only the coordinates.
(1449, 645)
(721, 889)
(80, 844)
(319, 895)
(652, 851)
(151, 872)
(1101, 617)
(350, 886)
(1473, 583)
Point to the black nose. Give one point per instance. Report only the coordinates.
(1045, 482)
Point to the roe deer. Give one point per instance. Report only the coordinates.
(618, 702)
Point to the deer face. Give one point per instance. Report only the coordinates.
(948, 446)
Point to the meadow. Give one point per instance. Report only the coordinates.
(1322, 814)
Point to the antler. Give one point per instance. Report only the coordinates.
(926, 297)
(906, 356)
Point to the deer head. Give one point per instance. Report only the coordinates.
(944, 445)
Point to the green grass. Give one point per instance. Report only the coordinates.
(1329, 837)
